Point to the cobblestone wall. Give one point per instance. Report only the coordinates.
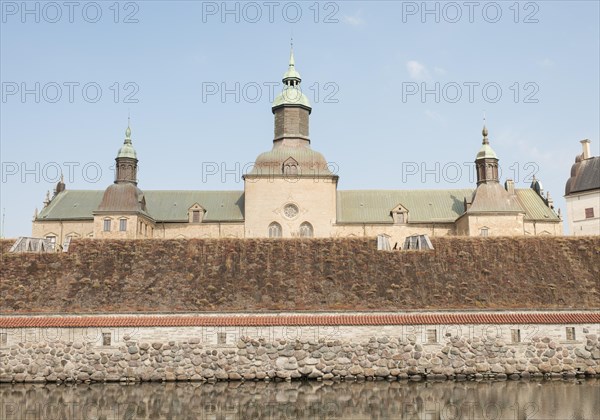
(382, 357)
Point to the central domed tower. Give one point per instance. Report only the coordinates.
(292, 180)
(291, 154)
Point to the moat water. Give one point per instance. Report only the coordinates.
(561, 399)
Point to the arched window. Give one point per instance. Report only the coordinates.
(306, 230)
(274, 230)
(290, 167)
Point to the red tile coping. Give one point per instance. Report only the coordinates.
(146, 320)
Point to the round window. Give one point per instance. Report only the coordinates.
(290, 211)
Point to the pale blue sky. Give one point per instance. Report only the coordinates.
(375, 137)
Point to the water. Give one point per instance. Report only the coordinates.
(574, 399)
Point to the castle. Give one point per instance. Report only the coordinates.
(291, 192)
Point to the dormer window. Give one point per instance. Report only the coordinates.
(196, 213)
(399, 215)
(290, 167)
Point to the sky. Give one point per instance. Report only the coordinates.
(399, 91)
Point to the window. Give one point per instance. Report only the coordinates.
(399, 215)
(515, 335)
(306, 230)
(484, 232)
(3, 339)
(571, 333)
(589, 213)
(51, 238)
(221, 338)
(432, 336)
(196, 216)
(290, 211)
(107, 225)
(290, 169)
(399, 218)
(123, 225)
(106, 339)
(274, 230)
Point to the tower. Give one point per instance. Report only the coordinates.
(491, 210)
(291, 109)
(126, 161)
(122, 212)
(290, 190)
(486, 162)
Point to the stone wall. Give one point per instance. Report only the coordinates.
(382, 357)
(294, 274)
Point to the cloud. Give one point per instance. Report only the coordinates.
(417, 71)
(355, 20)
(435, 116)
(440, 71)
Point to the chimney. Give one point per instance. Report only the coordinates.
(509, 185)
(586, 148)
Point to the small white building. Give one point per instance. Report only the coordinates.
(582, 193)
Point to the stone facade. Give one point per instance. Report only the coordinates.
(386, 357)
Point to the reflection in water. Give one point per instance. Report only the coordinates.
(575, 399)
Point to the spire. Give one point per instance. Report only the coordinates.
(291, 76)
(127, 150)
(291, 93)
(486, 150)
(126, 160)
(128, 131)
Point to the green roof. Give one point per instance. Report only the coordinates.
(424, 206)
(173, 206)
(163, 206)
(72, 205)
(355, 206)
(534, 206)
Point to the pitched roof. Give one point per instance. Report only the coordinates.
(172, 206)
(72, 205)
(492, 197)
(534, 206)
(585, 176)
(373, 206)
(163, 206)
(353, 206)
(243, 319)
